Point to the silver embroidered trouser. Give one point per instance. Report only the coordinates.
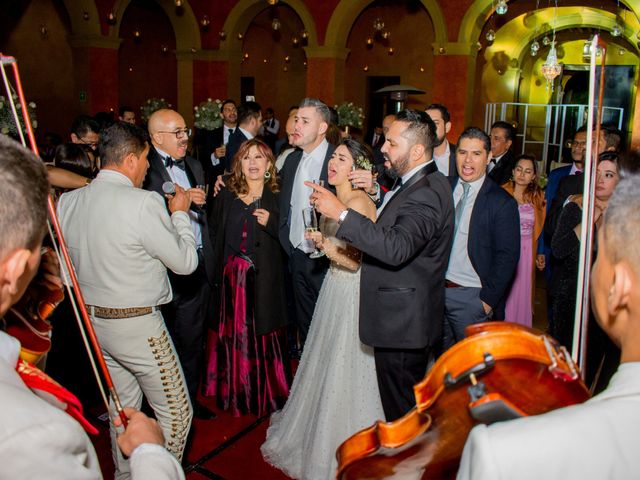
(142, 360)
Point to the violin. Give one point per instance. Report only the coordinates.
(500, 371)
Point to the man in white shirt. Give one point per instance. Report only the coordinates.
(597, 439)
(37, 438)
(122, 240)
(444, 153)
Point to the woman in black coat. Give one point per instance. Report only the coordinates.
(246, 367)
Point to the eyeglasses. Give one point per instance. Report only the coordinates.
(93, 145)
(182, 133)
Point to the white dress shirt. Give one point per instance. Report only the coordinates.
(226, 133)
(180, 177)
(405, 178)
(309, 168)
(442, 161)
(460, 269)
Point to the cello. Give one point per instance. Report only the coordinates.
(500, 371)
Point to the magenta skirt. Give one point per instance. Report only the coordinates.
(246, 371)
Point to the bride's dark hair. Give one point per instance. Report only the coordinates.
(361, 153)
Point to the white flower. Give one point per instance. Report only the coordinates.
(5, 130)
(195, 108)
(208, 99)
(34, 124)
(32, 104)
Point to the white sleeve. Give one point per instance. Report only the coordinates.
(150, 461)
(169, 239)
(478, 462)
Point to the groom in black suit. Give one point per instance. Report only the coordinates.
(185, 315)
(406, 253)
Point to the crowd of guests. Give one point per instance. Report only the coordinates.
(223, 257)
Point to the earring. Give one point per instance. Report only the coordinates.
(267, 175)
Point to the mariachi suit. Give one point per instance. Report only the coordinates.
(186, 313)
(406, 253)
(307, 273)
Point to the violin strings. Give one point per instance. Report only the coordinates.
(9, 91)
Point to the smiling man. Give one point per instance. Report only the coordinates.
(486, 242)
(185, 314)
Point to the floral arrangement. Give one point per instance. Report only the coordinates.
(542, 181)
(152, 105)
(208, 114)
(7, 120)
(363, 163)
(349, 115)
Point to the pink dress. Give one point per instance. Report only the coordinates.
(519, 305)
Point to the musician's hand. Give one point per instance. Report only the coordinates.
(540, 261)
(218, 186)
(140, 429)
(262, 216)
(181, 201)
(49, 273)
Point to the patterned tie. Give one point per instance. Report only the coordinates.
(461, 204)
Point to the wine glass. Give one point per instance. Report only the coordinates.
(255, 200)
(311, 225)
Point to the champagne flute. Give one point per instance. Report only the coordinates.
(255, 200)
(311, 225)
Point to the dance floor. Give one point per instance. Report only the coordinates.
(225, 448)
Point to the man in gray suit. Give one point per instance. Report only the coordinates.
(599, 438)
(405, 256)
(122, 240)
(37, 438)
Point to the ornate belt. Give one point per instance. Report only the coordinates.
(105, 312)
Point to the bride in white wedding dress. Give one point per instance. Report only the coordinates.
(335, 391)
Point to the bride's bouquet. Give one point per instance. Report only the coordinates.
(152, 105)
(7, 120)
(349, 115)
(208, 114)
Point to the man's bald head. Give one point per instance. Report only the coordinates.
(169, 132)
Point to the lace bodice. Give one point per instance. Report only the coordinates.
(344, 257)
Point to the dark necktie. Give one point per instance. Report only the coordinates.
(170, 162)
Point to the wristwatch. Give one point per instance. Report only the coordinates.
(343, 215)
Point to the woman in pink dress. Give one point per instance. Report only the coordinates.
(524, 187)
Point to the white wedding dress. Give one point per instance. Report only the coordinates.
(335, 390)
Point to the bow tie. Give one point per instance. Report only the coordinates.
(170, 162)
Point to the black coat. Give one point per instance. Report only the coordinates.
(270, 304)
(405, 258)
(206, 142)
(503, 170)
(157, 174)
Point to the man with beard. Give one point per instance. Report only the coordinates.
(185, 315)
(405, 256)
(444, 153)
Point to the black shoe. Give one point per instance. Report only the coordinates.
(203, 413)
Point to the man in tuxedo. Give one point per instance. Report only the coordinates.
(211, 144)
(186, 314)
(308, 162)
(596, 439)
(486, 242)
(270, 128)
(405, 256)
(444, 153)
(503, 161)
(249, 123)
(377, 138)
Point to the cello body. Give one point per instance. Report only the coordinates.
(500, 371)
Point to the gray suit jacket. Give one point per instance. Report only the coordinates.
(406, 253)
(38, 440)
(595, 440)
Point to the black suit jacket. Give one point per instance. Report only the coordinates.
(503, 170)
(494, 243)
(235, 140)
(157, 174)
(453, 168)
(569, 185)
(270, 311)
(206, 143)
(287, 177)
(405, 258)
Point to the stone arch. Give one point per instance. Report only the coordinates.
(185, 26)
(347, 11)
(478, 13)
(80, 26)
(245, 11)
